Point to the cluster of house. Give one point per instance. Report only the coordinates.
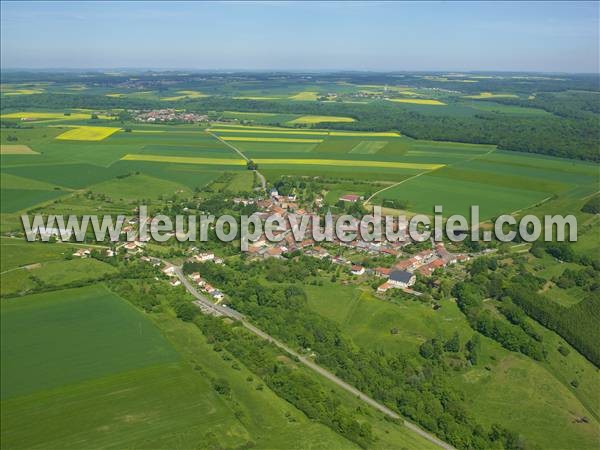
(86, 252)
(204, 257)
(134, 247)
(171, 271)
(206, 287)
(168, 115)
(402, 274)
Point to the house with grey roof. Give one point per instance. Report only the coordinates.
(401, 278)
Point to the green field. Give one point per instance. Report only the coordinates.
(14, 200)
(131, 382)
(18, 252)
(48, 358)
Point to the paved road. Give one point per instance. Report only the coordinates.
(219, 310)
(208, 306)
(261, 177)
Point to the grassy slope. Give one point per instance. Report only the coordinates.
(513, 390)
(272, 427)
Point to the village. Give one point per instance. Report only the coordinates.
(400, 272)
(168, 115)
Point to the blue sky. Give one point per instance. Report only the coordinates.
(507, 36)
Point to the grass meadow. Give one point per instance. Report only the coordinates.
(504, 386)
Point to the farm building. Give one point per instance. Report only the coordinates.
(352, 198)
(402, 278)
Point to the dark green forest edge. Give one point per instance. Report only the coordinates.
(571, 131)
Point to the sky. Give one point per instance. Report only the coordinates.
(376, 36)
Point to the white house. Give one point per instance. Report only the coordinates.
(170, 271)
(357, 270)
(203, 257)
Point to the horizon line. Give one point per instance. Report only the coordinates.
(288, 70)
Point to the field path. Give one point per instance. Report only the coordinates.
(261, 177)
(366, 202)
(220, 310)
(394, 185)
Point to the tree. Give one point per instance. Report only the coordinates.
(592, 206)
(473, 348)
(221, 385)
(453, 344)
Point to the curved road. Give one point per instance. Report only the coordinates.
(226, 311)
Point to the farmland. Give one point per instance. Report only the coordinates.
(486, 95)
(16, 150)
(147, 372)
(454, 175)
(87, 133)
(318, 119)
(121, 384)
(418, 101)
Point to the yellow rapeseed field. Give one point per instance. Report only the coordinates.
(22, 91)
(34, 115)
(272, 139)
(185, 94)
(16, 150)
(306, 95)
(319, 119)
(185, 160)
(417, 101)
(267, 131)
(85, 133)
(491, 95)
(350, 163)
(280, 161)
